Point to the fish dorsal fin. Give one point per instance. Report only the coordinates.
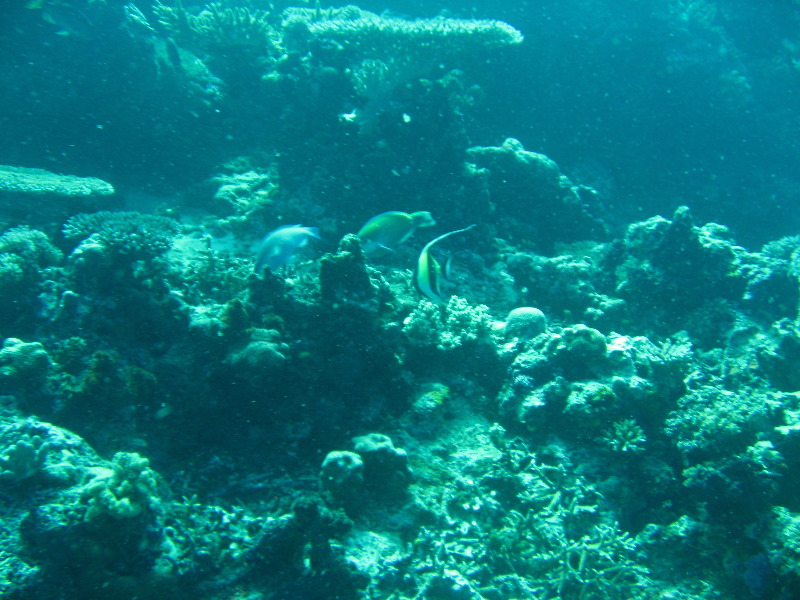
(430, 244)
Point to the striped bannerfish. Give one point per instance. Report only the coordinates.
(428, 274)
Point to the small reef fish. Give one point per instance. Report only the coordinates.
(281, 244)
(69, 20)
(390, 229)
(428, 274)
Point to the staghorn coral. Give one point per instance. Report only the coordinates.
(538, 530)
(218, 27)
(625, 436)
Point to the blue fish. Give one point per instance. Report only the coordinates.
(280, 245)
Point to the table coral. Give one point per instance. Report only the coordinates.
(371, 31)
(54, 194)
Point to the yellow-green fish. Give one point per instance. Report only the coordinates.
(428, 274)
(390, 229)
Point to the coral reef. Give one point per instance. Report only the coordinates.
(22, 364)
(520, 182)
(456, 325)
(217, 27)
(632, 418)
(131, 235)
(601, 409)
(25, 456)
(342, 474)
(25, 257)
(347, 282)
(524, 323)
(53, 195)
(367, 31)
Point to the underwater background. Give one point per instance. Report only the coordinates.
(404, 300)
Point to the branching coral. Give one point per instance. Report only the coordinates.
(129, 234)
(548, 538)
(459, 323)
(129, 489)
(209, 275)
(625, 436)
(218, 27)
(24, 457)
